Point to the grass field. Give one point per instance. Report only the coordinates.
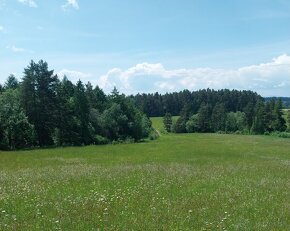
(178, 182)
(157, 122)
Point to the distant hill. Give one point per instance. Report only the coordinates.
(285, 100)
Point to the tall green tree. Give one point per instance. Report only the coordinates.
(81, 110)
(279, 121)
(258, 126)
(15, 130)
(204, 118)
(67, 130)
(167, 122)
(218, 117)
(11, 82)
(192, 124)
(38, 94)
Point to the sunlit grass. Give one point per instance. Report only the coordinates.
(178, 182)
(157, 122)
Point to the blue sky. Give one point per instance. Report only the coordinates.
(152, 45)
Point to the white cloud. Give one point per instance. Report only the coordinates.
(1, 29)
(272, 78)
(30, 3)
(16, 49)
(74, 76)
(70, 4)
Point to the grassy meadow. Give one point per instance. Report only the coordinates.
(178, 182)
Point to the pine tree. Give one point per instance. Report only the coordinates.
(167, 122)
(11, 82)
(204, 118)
(218, 117)
(81, 110)
(279, 121)
(66, 132)
(38, 93)
(258, 126)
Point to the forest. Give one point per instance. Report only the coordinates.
(42, 110)
(207, 110)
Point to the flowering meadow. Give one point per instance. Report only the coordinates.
(177, 182)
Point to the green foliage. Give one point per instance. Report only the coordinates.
(11, 82)
(146, 126)
(167, 122)
(180, 125)
(66, 132)
(281, 134)
(62, 113)
(81, 111)
(100, 140)
(288, 119)
(204, 118)
(15, 130)
(279, 121)
(38, 98)
(218, 117)
(236, 122)
(192, 124)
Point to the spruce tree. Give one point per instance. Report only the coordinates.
(81, 110)
(38, 94)
(167, 122)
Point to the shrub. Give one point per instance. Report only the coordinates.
(101, 140)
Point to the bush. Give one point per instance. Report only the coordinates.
(281, 134)
(163, 131)
(153, 135)
(101, 140)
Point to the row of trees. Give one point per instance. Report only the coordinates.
(261, 118)
(176, 102)
(43, 110)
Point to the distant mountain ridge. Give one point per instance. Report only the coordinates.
(285, 100)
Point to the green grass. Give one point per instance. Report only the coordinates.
(157, 122)
(178, 182)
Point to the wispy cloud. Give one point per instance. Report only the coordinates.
(74, 75)
(70, 4)
(15, 49)
(272, 78)
(1, 29)
(30, 3)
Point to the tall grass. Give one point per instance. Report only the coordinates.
(178, 182)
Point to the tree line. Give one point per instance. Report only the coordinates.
(42, 110)
(265, 118)
(215, 111)
(156, 105)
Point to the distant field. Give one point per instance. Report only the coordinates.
(157, 122)
(178, 182)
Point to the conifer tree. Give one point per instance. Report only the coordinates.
(38, 96)
(167, 122)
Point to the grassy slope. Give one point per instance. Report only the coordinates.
(178, 182)
(157, 122)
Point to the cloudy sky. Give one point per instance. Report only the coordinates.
(152, 45)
